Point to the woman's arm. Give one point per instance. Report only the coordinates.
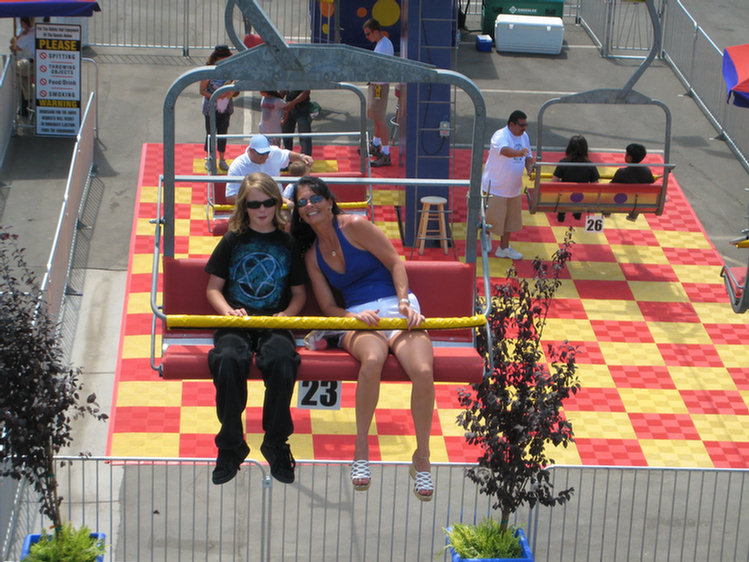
(214, 294)
(298, 298)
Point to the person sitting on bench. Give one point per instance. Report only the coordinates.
(577, 151)
(356, 258)
(256, 269)
(634, 174)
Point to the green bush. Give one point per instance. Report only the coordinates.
(66, 545)
(486, 540)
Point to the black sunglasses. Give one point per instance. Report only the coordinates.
(314, 199)
(257, 204)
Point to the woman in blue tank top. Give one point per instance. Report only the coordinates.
(355, 257)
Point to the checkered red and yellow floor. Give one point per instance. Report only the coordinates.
(664, 363)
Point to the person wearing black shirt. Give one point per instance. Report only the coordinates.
(255, 270)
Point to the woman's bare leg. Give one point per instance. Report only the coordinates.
(415, 354)
(371, 350)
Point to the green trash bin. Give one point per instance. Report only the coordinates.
(492, 8)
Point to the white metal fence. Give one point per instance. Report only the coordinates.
(188, 24)
(167, 509)
(622, 29)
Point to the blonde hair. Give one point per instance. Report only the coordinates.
(239, 222)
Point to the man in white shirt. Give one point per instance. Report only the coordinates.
(377, 97)
(261, 156)
(509, 154)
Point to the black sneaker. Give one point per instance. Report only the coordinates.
(374, 149)
(228, 462)
(281, 461)
(382, 160)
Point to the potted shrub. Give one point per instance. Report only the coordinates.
(515, 414)
(40, 395)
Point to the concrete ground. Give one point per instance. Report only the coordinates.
(132, 85)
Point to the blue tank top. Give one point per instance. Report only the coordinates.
(366, 278)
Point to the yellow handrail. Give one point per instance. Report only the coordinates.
(316, 322)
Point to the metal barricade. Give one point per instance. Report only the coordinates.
(167, 509)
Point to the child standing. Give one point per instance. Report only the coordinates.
(272, 109)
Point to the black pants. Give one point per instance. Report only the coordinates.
(229, 362)
(298, 118)
(222, 127)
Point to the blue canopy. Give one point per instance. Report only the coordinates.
(43, 8)
(736, 74)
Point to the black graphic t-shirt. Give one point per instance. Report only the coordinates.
(259, 269)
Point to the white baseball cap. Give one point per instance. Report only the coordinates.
(260, 144)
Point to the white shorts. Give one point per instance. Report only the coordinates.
(387, 308)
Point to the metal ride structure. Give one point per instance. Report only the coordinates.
(620, 198)
(737, 279)
(276, 65)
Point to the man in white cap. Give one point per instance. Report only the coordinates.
(261, 156)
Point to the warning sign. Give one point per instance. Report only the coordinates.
(58, 79)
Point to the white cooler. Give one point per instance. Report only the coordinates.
(528, 34)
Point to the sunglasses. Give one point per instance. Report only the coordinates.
(268, 203)
(314, 199)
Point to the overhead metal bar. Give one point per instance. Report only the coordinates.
(276, 65)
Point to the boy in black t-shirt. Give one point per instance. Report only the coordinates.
(256, 270)
(634, 174)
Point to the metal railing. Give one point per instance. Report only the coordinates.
(189, 24)
(167, 509)
(55, 280)
(621, 30)
(697, 63)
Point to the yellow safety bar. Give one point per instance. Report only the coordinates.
(316, 322)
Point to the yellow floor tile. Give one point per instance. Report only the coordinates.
(679, 332)
(701, 378)
(658, 291)
(652, 401)
(626, 353)
(601, 425)
(143, 393)
(565, 329)
(138, 347)
(599, 271)
(673, 453)
(734, 356)
(714, 427)
(631, 253)
(674, 239)
(141, 445)
(199, 419)
(599, 309)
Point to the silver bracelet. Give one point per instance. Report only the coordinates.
(404, 301)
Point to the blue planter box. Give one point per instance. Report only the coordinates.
(32, 539)
(526, 556)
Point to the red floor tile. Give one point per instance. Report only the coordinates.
(610, 452)
(663, 426)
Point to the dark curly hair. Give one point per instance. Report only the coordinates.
(300, 230)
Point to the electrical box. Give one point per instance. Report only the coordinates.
(492, 8)
(528, 34)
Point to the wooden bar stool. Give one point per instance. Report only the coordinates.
(433, 209)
